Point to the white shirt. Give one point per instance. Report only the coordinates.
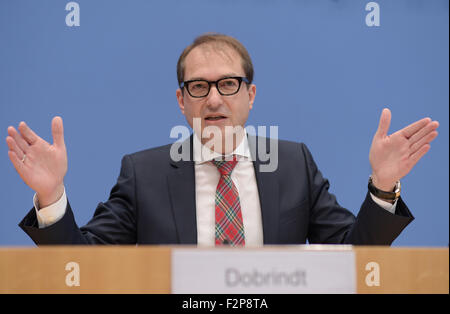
(206, 179)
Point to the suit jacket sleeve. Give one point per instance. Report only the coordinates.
(331, 223)
(114, 222)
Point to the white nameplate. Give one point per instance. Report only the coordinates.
(209, 271)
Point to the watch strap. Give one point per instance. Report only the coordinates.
(392, 196)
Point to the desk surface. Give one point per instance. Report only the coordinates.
(147, 269)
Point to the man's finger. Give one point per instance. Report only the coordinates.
(27, 133)
(23, 145)
(414, 158)
(428, 128)
(411, 129)
(58, 131)
(17, 163)
(423, 141)
(385, 122)
(14, 147)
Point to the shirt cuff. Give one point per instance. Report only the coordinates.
(386, 205)
(51, 214)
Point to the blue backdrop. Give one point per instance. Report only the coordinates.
(322, 75)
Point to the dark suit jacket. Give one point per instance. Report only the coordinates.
(153, 202)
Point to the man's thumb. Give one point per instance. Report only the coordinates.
(58, 131)
(385, 122)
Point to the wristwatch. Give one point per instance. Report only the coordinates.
(391, 196)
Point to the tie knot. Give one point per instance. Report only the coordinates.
(225, 167)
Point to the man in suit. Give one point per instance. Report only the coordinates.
(219, 195)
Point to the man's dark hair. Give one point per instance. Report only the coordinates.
(216, 39)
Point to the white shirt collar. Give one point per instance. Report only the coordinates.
(203, 154)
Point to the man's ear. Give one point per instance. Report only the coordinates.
(251, 95)
(180, 99)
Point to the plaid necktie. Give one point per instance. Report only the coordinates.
(229, 226)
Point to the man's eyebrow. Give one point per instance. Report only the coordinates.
(221, 77)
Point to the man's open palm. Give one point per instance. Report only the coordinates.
(393, 156)
(41, 166)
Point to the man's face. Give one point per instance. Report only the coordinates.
(211, 63)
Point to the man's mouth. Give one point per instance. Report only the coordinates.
(215, 118)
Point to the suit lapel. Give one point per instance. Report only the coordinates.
(268, 193)
(181, 183)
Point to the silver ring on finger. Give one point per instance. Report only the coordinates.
(24, 157)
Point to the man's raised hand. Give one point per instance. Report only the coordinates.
(41, 166)
(393, 156)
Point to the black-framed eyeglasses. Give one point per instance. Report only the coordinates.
(226, 86)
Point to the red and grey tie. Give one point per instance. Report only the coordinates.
(229, 226)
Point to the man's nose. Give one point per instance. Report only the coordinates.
(214, 98)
